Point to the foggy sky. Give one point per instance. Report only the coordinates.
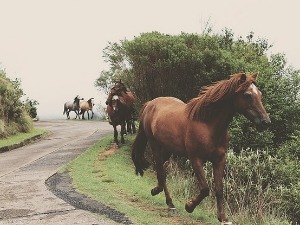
(55, 46)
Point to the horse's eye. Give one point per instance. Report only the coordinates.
(248, 96)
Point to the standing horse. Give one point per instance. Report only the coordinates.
(86, 106)
(197, 130)
(72, 106)
(117, 113)
(128, 99)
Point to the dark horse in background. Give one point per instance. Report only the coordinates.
(120, 107)
(129, 100)
(86, 106)
(72, 106)
(197, 130)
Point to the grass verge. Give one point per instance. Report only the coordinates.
(107, 175)
(19, 138)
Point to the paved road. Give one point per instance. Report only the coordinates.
(24, 197)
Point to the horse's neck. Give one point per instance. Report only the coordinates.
(223, 118)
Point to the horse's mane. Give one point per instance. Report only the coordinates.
(210, 97)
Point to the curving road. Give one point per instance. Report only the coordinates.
(24, 197)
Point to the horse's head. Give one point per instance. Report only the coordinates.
(115, 100)
(91, 102)
(77, 100)
(248, 101)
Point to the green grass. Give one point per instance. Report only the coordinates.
(110, 178)
(20, 137)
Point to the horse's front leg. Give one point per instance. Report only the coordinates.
(92, 115)
(77, 114)
(123, 131)
(218, 171)
(203, 186)
(116, 135)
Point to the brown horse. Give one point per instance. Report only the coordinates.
(197, 130)
(128, 100)
(117, 114)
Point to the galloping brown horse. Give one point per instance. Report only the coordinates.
(197, 130)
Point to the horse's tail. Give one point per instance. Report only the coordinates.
(64, 110)
(138, 151)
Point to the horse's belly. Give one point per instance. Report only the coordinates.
(170, 135)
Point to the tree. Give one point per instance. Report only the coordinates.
(155, 64)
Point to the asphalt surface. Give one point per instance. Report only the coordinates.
(24, 196)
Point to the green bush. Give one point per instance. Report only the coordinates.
(13, 115)
(257, 187)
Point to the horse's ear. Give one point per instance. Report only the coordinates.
(255, 75)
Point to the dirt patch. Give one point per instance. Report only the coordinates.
(108, 152)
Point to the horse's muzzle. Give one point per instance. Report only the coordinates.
(263, 124)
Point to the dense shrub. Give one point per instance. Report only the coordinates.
(256, 185)
(13, 115)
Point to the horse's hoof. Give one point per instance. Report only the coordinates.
(189, 207)
(226, 223)
(171, 211)
(223, 219)
(155, 191)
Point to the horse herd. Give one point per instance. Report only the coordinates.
(79, 106)
(197, 130)
(120, 109)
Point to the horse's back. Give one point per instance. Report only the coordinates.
(84, 105)
(163, 106)
(164, 120)
(68, 105)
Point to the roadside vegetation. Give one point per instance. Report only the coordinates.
(15, 115)
(106, 174)
(263, 169)
(19, 138)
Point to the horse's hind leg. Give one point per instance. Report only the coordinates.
(133, 127)
(160, 158)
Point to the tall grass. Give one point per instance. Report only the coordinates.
(257, 187)
(253, 189)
